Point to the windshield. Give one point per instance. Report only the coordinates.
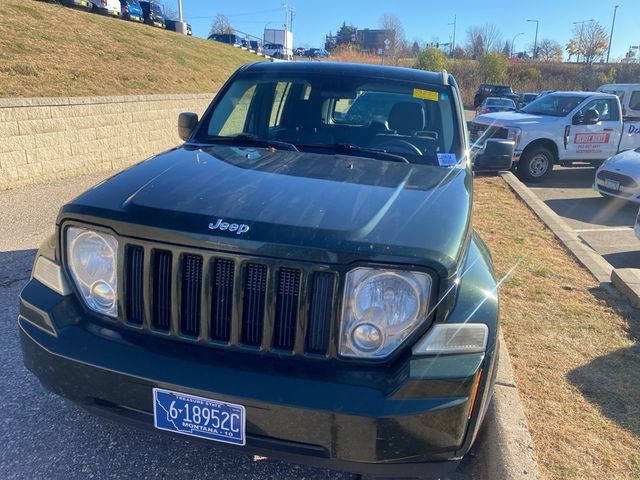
(503, 90)
(325, 114)
(501, 102)
(156, 9)
(554, 105)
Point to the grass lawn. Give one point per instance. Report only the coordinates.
(573, 344)
(50, 50)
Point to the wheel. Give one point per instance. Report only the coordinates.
(536, 164)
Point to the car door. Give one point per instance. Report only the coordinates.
(594, 130)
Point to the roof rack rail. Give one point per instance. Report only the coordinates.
(445, 77)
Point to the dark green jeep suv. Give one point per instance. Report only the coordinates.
(296, 280)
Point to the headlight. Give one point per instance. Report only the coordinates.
(381, 308)
(93, 259)
(514, 134)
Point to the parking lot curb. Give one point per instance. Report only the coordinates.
(510, 454)
(598, 266)
(627, 280)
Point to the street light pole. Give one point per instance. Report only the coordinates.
(513, 41)
(535, 41)
(180, 11)
(613, 24)
(453, 43)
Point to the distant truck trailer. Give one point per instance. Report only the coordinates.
(280, 37)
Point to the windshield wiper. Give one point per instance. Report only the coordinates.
(350, 149)
(246, 139)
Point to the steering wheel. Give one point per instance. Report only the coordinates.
(400, 146)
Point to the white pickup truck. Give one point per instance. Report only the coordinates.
(565, 128)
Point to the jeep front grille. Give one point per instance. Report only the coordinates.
(226, 300)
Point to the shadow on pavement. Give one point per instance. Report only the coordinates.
(567, 178)
(629, 259)
(15, 266)
(595, 210)
(612, 382)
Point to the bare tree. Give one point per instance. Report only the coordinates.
(483, 39)
(549, 50)
(169, 9)
(221, 25)
(398, 45)
(589, 41)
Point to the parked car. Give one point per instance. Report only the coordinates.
(228, 38)
(486, 90)
(106, 7)
(565, 128)
(299, 52)
(316, 53)
(545, 92)
(525, 99)
(276, 50)
(131, 10)
(152, 13)
(277, 284)
(619, 176)
(629, 95)
(496, 104)
(255, 46)
(172, 24)
(81, 4)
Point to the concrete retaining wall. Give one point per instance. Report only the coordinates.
(47, 138)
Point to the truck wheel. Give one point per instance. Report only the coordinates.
(536, 164)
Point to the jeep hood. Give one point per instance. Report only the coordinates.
(316, 207)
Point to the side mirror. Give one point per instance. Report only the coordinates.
(187, 122)
(497, 155)
(578, 119)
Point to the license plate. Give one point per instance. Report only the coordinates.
(611, 184)
(199, 417)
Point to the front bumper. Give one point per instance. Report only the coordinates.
(108, 11)
(630, 194)
(411, 420)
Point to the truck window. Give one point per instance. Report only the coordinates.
(634, 101)
(607, 109)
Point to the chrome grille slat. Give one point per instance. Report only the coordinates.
(222, 299)
(134, 284)
(161, 303)
(253, 308)
(190, 295)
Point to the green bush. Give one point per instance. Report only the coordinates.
(431, 59)
(493, 67)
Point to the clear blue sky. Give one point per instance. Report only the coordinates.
(423, 20)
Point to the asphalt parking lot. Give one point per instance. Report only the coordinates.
(43, 436)
(605, 224)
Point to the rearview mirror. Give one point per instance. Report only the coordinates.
(187, 122)
(497, 155)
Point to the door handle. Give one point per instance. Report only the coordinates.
(608, 129)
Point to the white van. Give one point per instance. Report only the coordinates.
(629, 95)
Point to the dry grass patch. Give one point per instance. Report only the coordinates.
(574, 345)
(50, 50)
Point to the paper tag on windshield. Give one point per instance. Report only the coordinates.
(425, 94)
(447, 159)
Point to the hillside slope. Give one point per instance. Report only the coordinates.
(50, 50)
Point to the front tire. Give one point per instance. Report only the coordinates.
(536, 164)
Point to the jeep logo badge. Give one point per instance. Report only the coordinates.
(239, 228)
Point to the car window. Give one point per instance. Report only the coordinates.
(408, 119)
(606, 107)
(634, 101)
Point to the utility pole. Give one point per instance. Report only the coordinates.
(535, 42)
(452, 53)
(180, 10)
(613, 24)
